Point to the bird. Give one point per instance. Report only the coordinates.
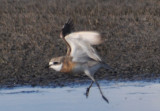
(80, 56)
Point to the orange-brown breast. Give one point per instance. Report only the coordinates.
(68, 65)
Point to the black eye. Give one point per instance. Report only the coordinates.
(55, 63)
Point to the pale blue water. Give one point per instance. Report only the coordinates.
(123, 96)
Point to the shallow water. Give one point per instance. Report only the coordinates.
(122, 96)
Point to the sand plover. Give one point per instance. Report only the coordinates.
(81, 56)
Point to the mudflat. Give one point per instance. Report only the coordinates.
(29, 38)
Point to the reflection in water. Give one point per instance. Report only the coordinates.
(20, 92)
(130, 96)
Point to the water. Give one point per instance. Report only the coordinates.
(123, 96)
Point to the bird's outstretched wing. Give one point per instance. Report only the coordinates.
(81, 45)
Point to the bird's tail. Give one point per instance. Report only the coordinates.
(106, 66)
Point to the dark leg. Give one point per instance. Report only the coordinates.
(88, 89)
(101, 92)
(87, 72)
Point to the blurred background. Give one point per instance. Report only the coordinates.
(29, 38)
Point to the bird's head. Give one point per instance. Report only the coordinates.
(56, 63)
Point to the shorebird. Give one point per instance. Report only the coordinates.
(81, 56)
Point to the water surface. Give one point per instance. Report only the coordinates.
(122, 96)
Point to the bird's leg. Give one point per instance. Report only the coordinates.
(101, 92)
(88, 89)
(87, 72)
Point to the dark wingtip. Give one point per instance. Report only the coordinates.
(67, 28)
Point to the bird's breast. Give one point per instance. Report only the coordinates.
(68, 66)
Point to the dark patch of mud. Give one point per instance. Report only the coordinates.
(29, 38)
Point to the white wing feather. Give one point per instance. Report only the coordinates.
(81, 45)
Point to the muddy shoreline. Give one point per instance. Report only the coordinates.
(29, 38)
